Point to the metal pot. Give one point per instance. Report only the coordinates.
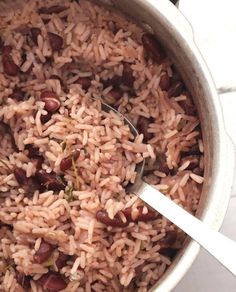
(176, 34)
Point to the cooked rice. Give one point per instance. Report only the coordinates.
(100, 258)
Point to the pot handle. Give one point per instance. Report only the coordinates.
(175, 2)
(175, 17)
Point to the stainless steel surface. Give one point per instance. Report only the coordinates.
(176, 34)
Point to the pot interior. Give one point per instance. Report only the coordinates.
(183, 53)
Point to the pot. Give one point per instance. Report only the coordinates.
(175, 33)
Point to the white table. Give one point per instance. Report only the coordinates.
(214, 25)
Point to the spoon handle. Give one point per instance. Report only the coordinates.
(218, 245)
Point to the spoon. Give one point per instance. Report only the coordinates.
(218, 245)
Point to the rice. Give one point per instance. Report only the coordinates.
(60, 168)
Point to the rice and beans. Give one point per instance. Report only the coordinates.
(66, 220)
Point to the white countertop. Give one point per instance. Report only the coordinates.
(214, 24)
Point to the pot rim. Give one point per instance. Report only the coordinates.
(220, 189)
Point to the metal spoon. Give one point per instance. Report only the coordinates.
(218, 245)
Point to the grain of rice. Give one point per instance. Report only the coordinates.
(75, 266)
(162, 187)
(170, 134)
(184, 180)
(139, 236)
(200, 145)
(184, 165)
(87, 248)
(174, 189)
(90, 231)
(128, 279)
(41, 57)
(159, 173)
(197, 178)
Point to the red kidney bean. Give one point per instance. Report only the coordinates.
(52, 281)
(153, 47)
(23, 29)
(66, 162)
(45, 118)
(52, 103)
(162, 163)
(35, 32)
(165, 81)
(176, 89)
(194, 161)
(168, 252)
(51, 9)
(43, 253)
(6, 50)
(9, 67)
(18, 94)
(102, 216)
(20, 175)
(149, 216)
(61, 260)
(33, 152)
(56, 41)
(39, 162)
(193, 150)
(47, 94)
(31, 186)
(23, 280)
(127, 76)
(142, 127)
(169, 240)
(116, 94)
(115, 81)
(198, 171)
(49, 181)
(85, 82)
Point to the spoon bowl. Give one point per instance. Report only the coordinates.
(140, 167)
